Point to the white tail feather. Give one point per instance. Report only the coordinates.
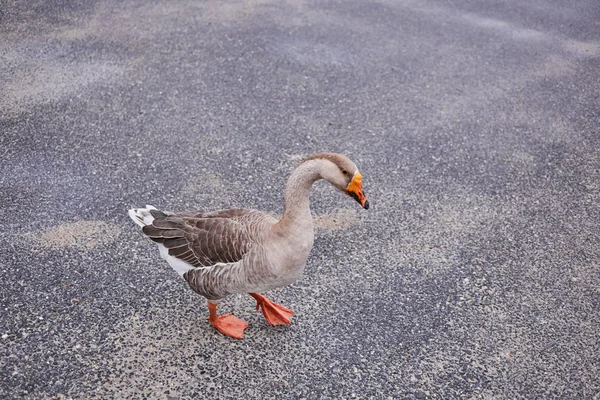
(142, 216)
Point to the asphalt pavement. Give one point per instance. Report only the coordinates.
(475, 124)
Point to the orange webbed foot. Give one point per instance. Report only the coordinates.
(274, 313)
(227, 324)
(230, 325)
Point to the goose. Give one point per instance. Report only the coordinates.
(224, 252)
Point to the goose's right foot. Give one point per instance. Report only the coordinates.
(274, 313)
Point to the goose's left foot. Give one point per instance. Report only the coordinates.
(274, 313)
(227, 324)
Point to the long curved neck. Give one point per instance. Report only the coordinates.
(297, 191)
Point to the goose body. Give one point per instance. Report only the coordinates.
(248, 251)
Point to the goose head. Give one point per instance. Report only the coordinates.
(343, 174)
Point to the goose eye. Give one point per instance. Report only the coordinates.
(344, 172)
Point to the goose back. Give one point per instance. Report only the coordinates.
(206, 239)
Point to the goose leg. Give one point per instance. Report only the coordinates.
(274, 313)
(227, 324)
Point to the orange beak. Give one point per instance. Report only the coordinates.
(354, 189)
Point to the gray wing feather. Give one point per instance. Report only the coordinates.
(205, 239)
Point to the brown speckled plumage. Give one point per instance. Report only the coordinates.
(204, 239)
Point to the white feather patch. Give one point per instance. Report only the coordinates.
(180, 266)
(142, 217)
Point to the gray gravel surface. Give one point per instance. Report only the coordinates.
(475, 274)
